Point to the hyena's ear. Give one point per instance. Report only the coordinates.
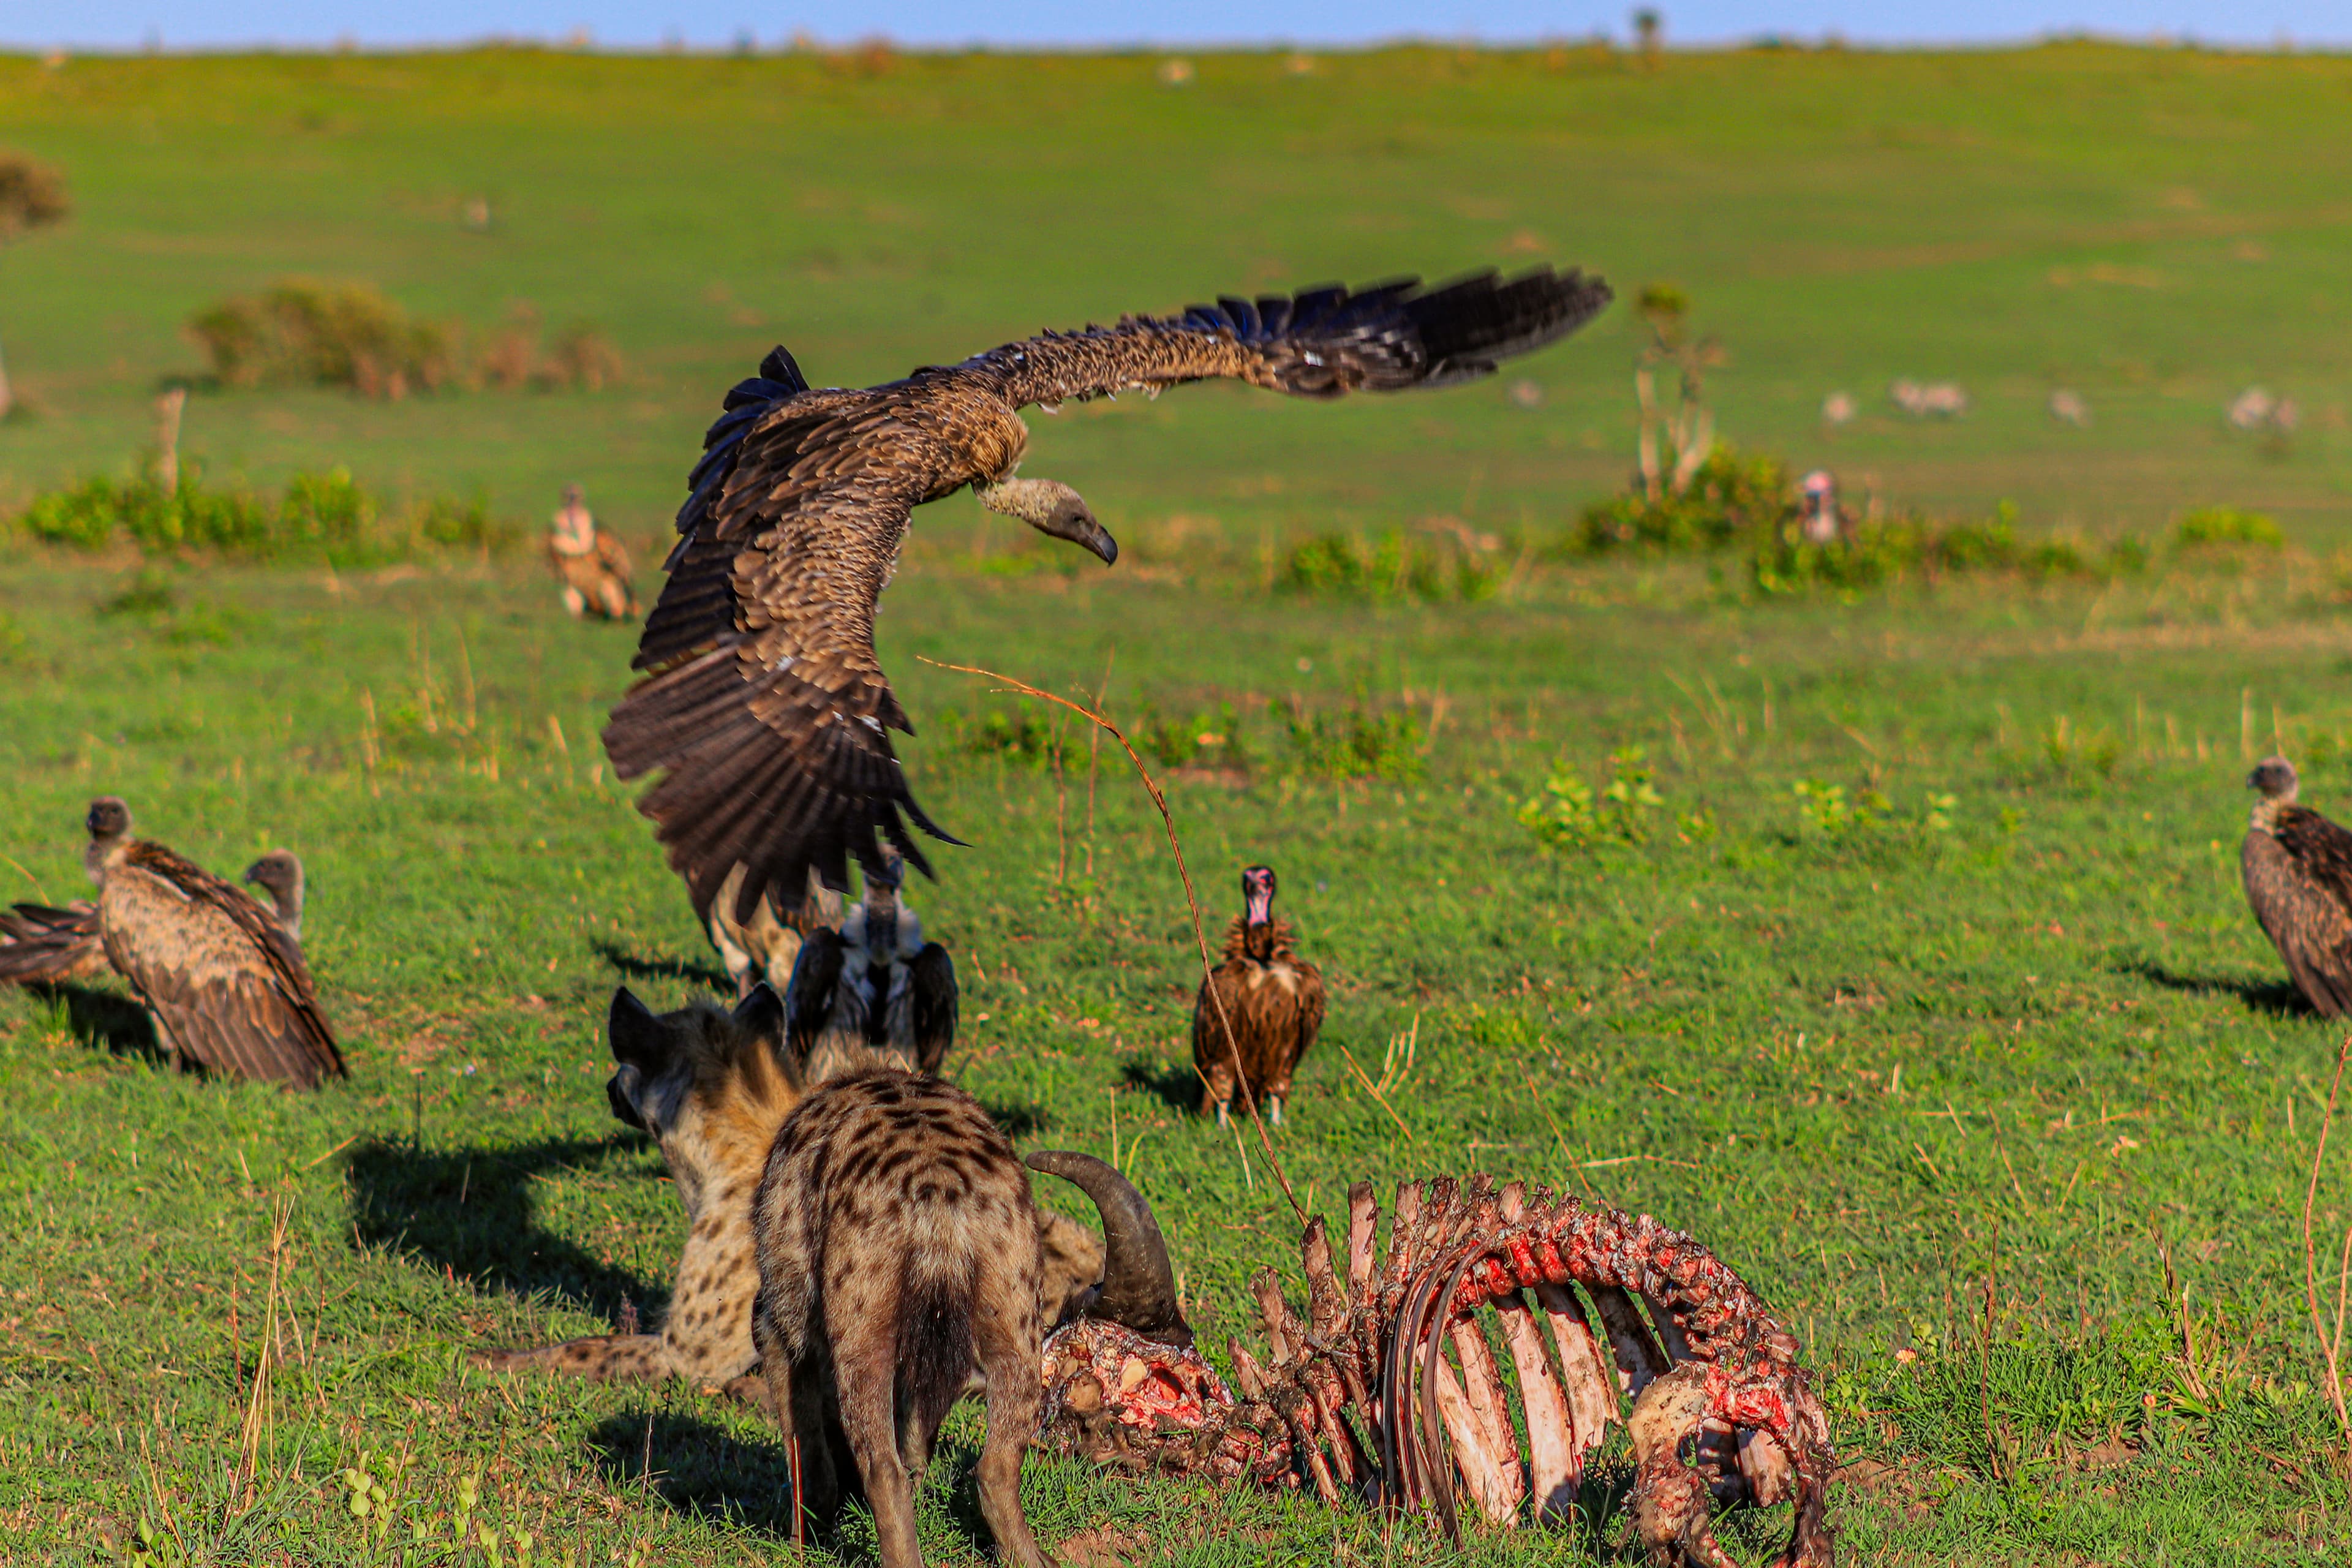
(637, 1038)
(760, 1015)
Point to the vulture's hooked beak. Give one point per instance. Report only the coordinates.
(1071, 520)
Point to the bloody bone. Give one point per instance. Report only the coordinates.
(1599, 1311)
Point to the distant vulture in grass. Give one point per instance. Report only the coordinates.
(873, 991)
(1273, 1001)
(41, 945)
(224, 981)
(763, 705)
(2298, 872)
(766, 946)
(279, 873)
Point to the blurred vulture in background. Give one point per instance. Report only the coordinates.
(223, 980)
(872, 992)
(2297, 866)
(764, 706)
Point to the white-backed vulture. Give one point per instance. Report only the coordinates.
(41, 945)
(279, 873)
(766, 946)
(2297, 867)
(590, 562)
(872, 992)
(1273, 999)
(225, 983)
(763, 705)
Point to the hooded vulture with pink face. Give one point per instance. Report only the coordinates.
(763, 707)
(222, 979)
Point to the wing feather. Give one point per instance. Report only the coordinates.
(933, 983)
(2305, 919)
(44, 945)
(1322, 342)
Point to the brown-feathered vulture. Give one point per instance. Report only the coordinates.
(225, 983)
(1271, 998)
(763, 704)
(2297, 867)
(872, 992)
(765, 946)
(42, 945)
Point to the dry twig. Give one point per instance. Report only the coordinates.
(2331, 1344)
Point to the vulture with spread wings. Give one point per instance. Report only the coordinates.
(763, 705)
(2297, 867)
(224, 981)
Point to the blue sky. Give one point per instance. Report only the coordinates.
(621, 24)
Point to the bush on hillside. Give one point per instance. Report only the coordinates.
(31, 194)
(2228, 525)
(304, 333)
(1732, 494)
(1384, 570)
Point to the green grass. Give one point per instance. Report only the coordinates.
(2100, 1066)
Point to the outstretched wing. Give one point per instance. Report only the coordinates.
(1323, 343)
(808, 995)
(933, 982)
(44, 945)
(763, 699)
(218, 970)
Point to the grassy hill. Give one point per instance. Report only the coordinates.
(1927, 996)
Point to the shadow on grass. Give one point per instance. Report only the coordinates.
(105, 1019)
(468, 1213)
(1177, 1085)
(2278, 998)
(699, 1469)
(1025, 1119)
(637, 966)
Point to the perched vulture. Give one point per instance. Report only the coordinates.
(43, 946)
(590, 562)
(225, 983)
(2297, 866)
(1272, 1001)
(279, 873)
(766, 946)
(763, 705)
(873, 991)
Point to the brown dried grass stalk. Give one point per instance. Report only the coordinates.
(2331, 1343)
(1191, 901)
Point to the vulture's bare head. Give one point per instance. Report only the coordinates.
(279, 873)
(1050, 507)
(2274, 779)
(109, 819)
(1257, 894)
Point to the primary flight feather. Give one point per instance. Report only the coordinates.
(763, 705)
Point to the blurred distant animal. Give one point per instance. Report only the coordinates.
(1271, 998)
(765, 946)
(763, 707)
(872, 992)
(593, 567)
(225, 983)
(2068, 408)
(1931, 400)
(1822, 520)
(279, 873)
(1838, 408)
(2297, 867)
(43, 944)
(2256, 409)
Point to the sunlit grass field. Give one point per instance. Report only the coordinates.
(1965, 1053)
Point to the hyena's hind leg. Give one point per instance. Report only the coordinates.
(607, 1358)
(1006, 1338)
(865, 1391)
(796, 1396)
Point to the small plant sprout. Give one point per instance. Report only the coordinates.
(1937, 816)
(1569, 814)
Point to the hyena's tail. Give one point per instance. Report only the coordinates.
(936, 1353)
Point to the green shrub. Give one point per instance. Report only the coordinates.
(1356, 744)
(1730, 497)
(1569, 814)
(1384, 570)
(328, 515)
(2228, 525)
(31, 194)
(1204, 740)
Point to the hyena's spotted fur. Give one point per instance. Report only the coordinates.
(713, 1088)
(899, 1256)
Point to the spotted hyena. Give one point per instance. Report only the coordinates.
(713, 1087)
(899, 1257)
